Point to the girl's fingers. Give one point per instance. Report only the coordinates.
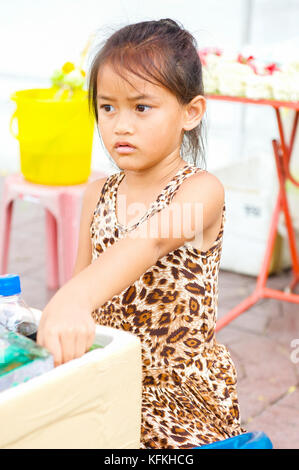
(80, 345)
(52, 343)
(90, 338)
(39, 336)
(40, 331)
(68, 345)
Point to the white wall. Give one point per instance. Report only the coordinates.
(37, 36)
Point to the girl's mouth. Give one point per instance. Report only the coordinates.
(124, 148)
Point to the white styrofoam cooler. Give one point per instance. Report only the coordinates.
(90, 402)
(251, 190)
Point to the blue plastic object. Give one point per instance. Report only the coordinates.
(248, 440)
(10, 284)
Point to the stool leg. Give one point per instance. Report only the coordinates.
(5, 226)
(68, 231)
(51, 251)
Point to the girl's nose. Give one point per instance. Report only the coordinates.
(123, 124)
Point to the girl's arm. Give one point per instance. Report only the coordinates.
(67, 328)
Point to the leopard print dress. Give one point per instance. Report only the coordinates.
(189, 380)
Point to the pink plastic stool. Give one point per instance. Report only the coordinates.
(62, 209)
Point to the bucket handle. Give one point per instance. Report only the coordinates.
(13, 117)
(67, 127)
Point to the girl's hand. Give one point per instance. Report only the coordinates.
(66, 327)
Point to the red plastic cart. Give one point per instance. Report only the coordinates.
(282, 153)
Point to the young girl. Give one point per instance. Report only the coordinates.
(155, 274)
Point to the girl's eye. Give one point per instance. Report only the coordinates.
(141, 107)
(106, 107)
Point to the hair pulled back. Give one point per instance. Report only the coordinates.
(161, 52)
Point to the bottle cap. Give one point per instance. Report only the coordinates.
(10, 284)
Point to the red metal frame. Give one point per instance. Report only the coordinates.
(282, 154)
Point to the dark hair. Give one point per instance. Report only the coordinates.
(160, 52)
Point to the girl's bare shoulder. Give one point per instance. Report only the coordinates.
(206, 189)
(202, 186)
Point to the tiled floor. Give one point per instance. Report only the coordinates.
(259, 340)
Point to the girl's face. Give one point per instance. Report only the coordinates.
(148, 117)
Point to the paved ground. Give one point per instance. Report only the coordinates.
(259, 340)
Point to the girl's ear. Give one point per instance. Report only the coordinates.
(194, 112)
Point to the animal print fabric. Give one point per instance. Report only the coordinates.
(189, 380)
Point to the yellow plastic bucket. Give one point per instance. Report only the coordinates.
(55, 136)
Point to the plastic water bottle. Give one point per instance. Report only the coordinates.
(15, 315)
